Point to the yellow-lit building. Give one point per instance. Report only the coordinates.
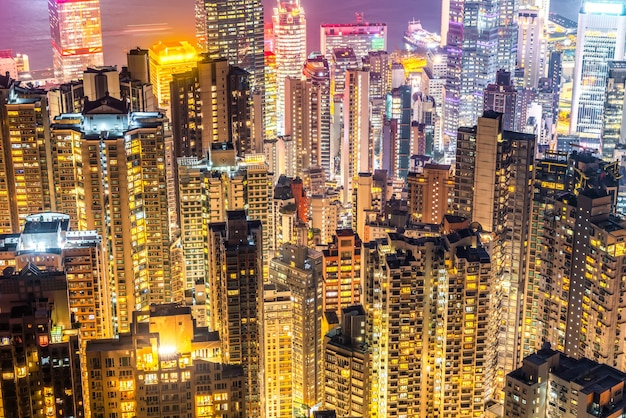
(236, 281)
(289, 49)
(342, 272)
(299, 269)
(165, 367)
(25, 185)
(493, 188)
(76, 31)
(278, 353)
(167, 59)
(110, 176)
(39, 346)
(432, 325)
(346, 369)
(430, 193)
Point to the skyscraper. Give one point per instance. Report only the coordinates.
(430, 193)
(299, 269)
(76, 32)
(346, 365)
(233, 29)
(289, 48)
(493, 187)
(307, 115)
(236, 280)
(277, 351)
(399, 114)
(211, 104)
(430, 325)
(501, 97)
(549, 382)
(342, 272)
(167, 59)
(25, 163)
(481, 37)
(355, 147)
(109, 175)
(601, 38)
(613, 122)
(531, 47)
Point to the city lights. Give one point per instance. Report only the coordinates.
(205, 211)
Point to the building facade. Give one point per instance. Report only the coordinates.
(76, 31)
(601, 38)
(236, 280)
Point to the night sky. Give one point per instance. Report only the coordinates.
(131, 23)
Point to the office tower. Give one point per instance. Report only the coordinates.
(233, 29)
(410, 286)
(39, 346)
(346, 365)
(277, 350)
(163, 367)
(167, 59)
(493, 187)
(25, 166)
(289, 48)
(356, 150)
(361, 36)
(342, 271)
(601, 38)
(613, 124)
(477, 45)
(109, 175)
(531, 47)
(501, 97)
(211, 104)
(299, 269)
(76, 32)
(549, 382)
(555, 71)
(430, 193)
(399, 115)
(236, 280)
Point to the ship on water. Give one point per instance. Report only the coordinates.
(416, 38)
